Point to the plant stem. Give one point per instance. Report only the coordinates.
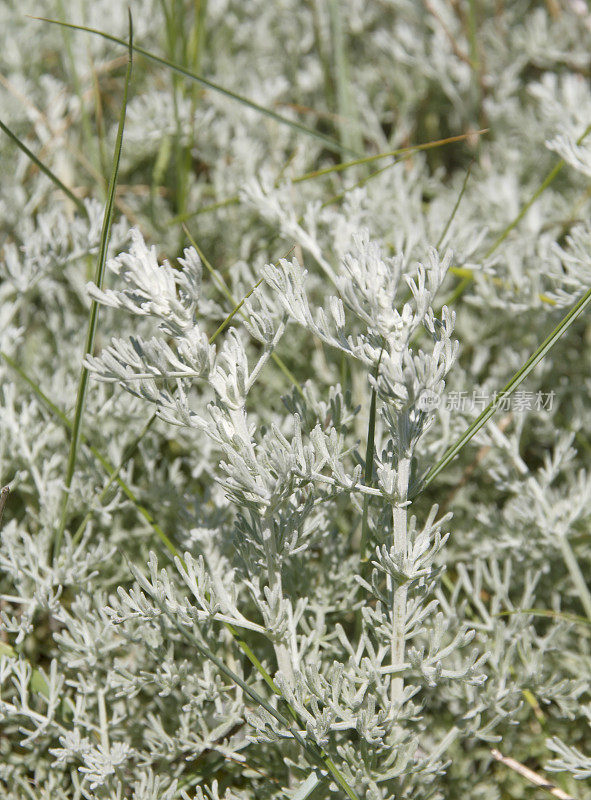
(400, 532)
(369, 458)
(508, 389)
(575, 572)
(93, 318)
(275, 585)
(45, 170)
(329, 143)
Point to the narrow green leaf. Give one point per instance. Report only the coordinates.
(234, 311)
(455, 208)
(104, 462)
(335, 198)
(314, 753)
(98, 279)
(239, 305)
(110, 469)
(220, 283)
(329, 143)
(369, 458)
(576, 574)
(548, 180)
(347, 112)
(45, 170)
(523, 211)
(229, 201)
(127, 454)
(401, 151)
(510, 387)
(340, 167)
(546, 612)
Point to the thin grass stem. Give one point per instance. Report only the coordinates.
(329, 143)
(45, 170)
(221, 284)
(340, 167)
(548, 180)
(369, 459)
(455, 208)
(508, 389)
(93, 318)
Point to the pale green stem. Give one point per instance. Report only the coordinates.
(103, 722)
(576, 574)
(273, 566)
(400, 534)
(275, 584)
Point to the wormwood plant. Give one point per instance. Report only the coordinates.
(294, 370)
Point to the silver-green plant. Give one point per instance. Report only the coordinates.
(294, 540)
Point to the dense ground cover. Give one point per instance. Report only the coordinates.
(298, 446)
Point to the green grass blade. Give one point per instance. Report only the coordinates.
(546, 612)
(401, 151)
(523, 211)
(129, 451)
(369, 457)
(576, 574)
(45, 170)
(515, 381)
(98, 279)
(455, 208)
(335, 198)
(541, 189)
(329, 143)
(234, 311)
(104, 462)
(548, 180)
(348, 116)
(315, 755)
(111, 470)
(239, 305)
(220, 283)
(229, 201)
(216, 278)
(343, 165)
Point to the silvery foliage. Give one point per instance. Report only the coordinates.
(406, 657)
(276, 480)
